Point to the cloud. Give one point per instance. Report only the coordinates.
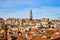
(31, 3)
(47, 12)
(11, 3)
(21, 8)
(15, 5)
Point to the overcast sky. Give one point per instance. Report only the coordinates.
(21, 8)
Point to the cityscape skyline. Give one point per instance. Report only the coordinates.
(21, 8)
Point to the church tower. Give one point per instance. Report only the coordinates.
(31, 15)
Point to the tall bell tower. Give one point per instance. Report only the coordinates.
(31, 15)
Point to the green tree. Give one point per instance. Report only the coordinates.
(5, 28)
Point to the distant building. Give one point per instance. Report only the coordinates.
(1, 21)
